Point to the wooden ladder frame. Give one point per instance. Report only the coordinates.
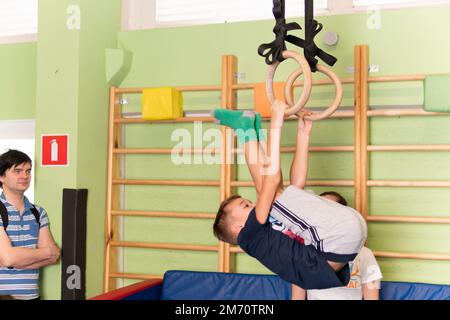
(228, 181)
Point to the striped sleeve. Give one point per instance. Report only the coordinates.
(43, 217)
(1, 222)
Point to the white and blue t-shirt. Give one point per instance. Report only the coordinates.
(364, 271)
(23, 231)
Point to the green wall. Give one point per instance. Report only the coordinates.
(73, 98)
(60, 81)
(99, 33)
(17, 81)
(192, 56)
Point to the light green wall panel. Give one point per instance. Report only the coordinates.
(72, 98)
(410, 166)
(100, 23)
(152, 261)
(17, 81)
(415, 270)
(246, 264)
(56, 101)
(172, 198)
(188, 231)
(320, 167)
(410, 130)
(409, 237)
(168, 136)
(409, 201)
(161, 167)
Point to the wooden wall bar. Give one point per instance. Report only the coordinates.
(228, 182)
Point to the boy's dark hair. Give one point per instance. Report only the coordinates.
(12, 158)
(339, 199)
(221, 224)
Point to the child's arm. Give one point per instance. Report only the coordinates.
(262, 155)
(297, 293)
(271, 172)
(299, 168)
(371, 291)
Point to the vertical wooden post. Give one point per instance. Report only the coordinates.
(223, 158)
(364, 128)
(357, 128)
(112, 191)
(229, 65)
(231, 172)
(232, 80)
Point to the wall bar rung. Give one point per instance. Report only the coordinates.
(431, 220)
(165, 151)
(181, 88)
(167, 183)
(419, 184)
(119, 120)
(414, 77)
(135, 276)
(418, 256)
(311, 149)
(164, 246)
(440, 147)
(325, 149)
(163, 214)
(337, 114)
(179, 120)
(310, 183)
(251, 86)
(403, 112)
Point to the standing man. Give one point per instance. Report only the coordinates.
(26, 243)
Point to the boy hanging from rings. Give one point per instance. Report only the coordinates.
(332, 233)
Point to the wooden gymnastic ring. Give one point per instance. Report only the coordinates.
(337, 100)
(305, 70)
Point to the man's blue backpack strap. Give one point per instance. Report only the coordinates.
(5, 219)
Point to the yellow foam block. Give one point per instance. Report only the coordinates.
(262, 104)
(162, 104)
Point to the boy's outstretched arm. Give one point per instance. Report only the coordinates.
(271, 171)
(299, 168)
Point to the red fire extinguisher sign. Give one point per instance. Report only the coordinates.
(55, 150)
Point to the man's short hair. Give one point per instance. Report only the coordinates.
(221, 225)
(12, 158)
(339, 199)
